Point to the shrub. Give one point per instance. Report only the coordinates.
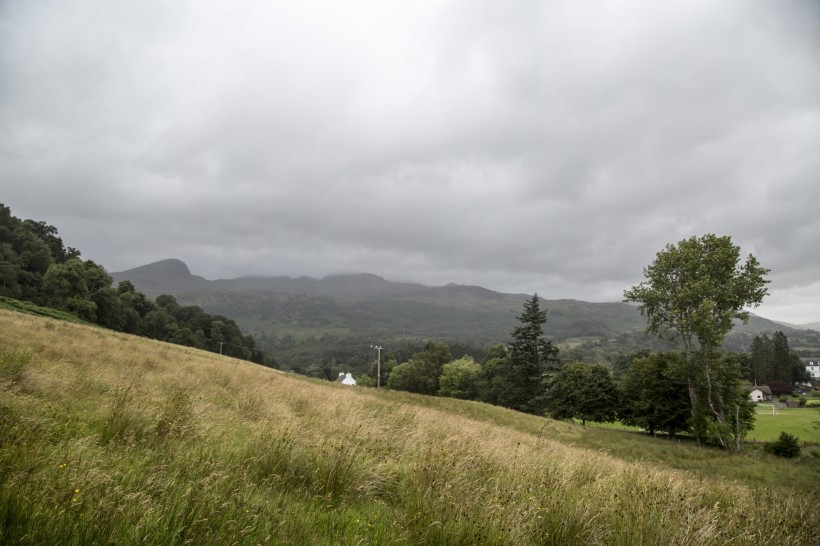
(802, 402)
(785, 446)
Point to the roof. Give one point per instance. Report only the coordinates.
(762, 388)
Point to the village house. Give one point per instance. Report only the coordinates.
(759, 393)
(812, 367)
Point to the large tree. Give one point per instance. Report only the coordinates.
(583, 391)
(654, 396)
(692, 293)
(532, 359)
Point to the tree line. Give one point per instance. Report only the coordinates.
(692, 293)
(36, 266)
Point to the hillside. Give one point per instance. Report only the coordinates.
(290, 317)
(109, 438)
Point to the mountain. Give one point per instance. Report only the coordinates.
(164, 277)
(350, 303)
(304, 321)
(808, 326)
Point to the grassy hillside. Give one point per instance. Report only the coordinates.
(108, 438)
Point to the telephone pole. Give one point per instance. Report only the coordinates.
(378, 364)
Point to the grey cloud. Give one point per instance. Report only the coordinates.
(526, 146)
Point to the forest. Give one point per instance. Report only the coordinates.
(35, 266)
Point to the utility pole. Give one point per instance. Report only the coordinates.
(221, 343)
(378, 364)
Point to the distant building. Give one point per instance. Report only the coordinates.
(348, 380)
(341, 377)
(812, 366)
(759, 393)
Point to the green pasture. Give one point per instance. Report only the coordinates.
(804, 423)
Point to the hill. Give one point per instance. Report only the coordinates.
(306, 322)
(110, 438)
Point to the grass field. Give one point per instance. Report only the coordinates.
(804, 423)
(108, 438)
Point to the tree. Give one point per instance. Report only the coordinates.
(692, 293)
(421, 373)
(532, 359)
(654, 396)
(772, 360)
(585, 392)
(459, 379)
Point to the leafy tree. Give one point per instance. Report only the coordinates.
(459, 379)
(493, 385)
(421, 373)
(532, 360)
(66, 287)
(585, 392)
(653, 395)
(623, 363)
(780, 387)
(692, 292)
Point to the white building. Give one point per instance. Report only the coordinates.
(813, 366)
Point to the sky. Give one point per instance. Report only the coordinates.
(524, 146)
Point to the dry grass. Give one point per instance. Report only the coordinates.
(111, 438)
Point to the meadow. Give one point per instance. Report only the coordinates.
(803, 423)
(109, 438)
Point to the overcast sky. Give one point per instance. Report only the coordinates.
(549, 146)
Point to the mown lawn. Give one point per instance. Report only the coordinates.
(804, 423)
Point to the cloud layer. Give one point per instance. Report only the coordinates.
(530, 146)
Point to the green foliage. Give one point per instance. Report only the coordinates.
(786, 446)
(531, 361)
(37, 268)
(459, 379)
(696, 288)
(654, 395)
(585, 392)
(421, 373)
(692, 293)
(772, 360)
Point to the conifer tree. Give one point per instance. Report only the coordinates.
(532, 360)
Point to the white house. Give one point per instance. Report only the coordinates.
(813, 366)
(759, 393)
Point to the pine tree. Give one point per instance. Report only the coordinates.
(532, 360)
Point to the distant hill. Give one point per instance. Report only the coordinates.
(349, 303)
(164, 277)
(808, 326)
(286, 315)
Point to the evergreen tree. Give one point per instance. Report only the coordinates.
(532, 360)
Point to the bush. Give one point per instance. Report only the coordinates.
(802, 401)
(785, 446)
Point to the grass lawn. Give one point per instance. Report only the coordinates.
(804, 423)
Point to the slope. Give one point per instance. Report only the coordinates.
(109, 438)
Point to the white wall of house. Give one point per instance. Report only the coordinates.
(756, 395)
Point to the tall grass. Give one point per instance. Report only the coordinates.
(106, 438)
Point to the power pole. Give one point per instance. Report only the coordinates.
(378, 364)
(221, 343)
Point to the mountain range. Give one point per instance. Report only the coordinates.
(366, 305)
